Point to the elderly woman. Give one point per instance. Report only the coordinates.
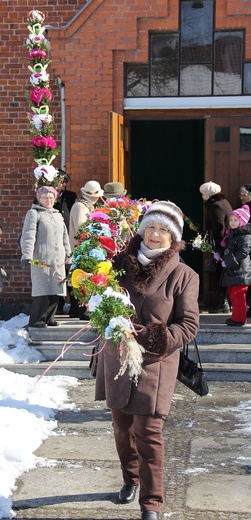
(45, 238)
(164, 292)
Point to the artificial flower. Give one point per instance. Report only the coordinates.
(77, 276)
(99, 279)
(104, 267)
(99, 254)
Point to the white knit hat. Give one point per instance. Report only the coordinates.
(209, 188)
(167, 214)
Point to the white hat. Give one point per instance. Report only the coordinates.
(92, 190)
(167, 214)
(209, 188)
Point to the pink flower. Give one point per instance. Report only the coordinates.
(37, 53)
(41, 141)
(51, 143)
(37, 95)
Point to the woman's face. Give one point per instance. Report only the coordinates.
(245, 196)
(156, 236)
(47, 200)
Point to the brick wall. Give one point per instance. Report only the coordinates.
(90, 41)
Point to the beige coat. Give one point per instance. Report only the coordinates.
(79, 214)
(165, 296)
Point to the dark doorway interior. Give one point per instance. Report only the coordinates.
(167, 162)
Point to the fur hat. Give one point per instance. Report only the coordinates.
(114, 189)
(46, 189)
(243, 214)
(209, 188)
(92, 190)
(167, 214)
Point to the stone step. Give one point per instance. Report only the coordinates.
(68, 351)
(78, 369)
(223, 353)
(227, 372)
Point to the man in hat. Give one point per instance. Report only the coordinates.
(66, 198)
(79, 214)
(113, 190)
(64, 203)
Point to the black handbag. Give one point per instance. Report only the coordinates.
(190, 371)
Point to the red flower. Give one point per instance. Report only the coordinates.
(83, 290)
(108, 244)
(99, 279)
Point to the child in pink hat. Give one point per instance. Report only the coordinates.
(235, 258)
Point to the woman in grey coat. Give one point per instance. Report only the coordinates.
(45, 239)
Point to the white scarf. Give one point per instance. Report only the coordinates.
(145, 254)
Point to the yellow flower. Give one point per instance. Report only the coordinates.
(104, 267)
(77, 276)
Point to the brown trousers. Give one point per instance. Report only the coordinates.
(140, 447)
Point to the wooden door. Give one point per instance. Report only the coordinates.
(228, 154)
(118, 148)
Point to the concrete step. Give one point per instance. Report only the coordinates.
(223, 353)
(78, 369)
(227, 372)
(213, 330)
(71, 329)
(71, 351)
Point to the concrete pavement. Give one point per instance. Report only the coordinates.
(207, 472)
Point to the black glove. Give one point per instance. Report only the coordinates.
(25, 263)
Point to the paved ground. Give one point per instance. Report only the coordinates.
(207, 461)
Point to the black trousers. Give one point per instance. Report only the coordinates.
(43, 308)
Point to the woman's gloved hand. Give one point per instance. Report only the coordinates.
(223, 264)
(217, 256)
(25, 264)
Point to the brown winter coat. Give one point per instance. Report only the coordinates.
(165, 296)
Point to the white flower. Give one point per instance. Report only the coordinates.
(94, 302)
(197, 242)
(118, 321)
(39, 76)
(36, 16)
(115, 294)
(49, 172)
(39, 119)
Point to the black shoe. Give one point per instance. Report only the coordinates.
(224, 309)
(249, 312)
(149, 515)
(127, 493)
(53, 323)
(39, 325)
(232, 323)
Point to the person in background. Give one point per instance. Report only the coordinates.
(217, 212)
(80, 211)
(235, 259)
(64, 203)
(245, 196)
(113, 190)
(164, 294)
(3, 275)
(45, 239)
(65, 199)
